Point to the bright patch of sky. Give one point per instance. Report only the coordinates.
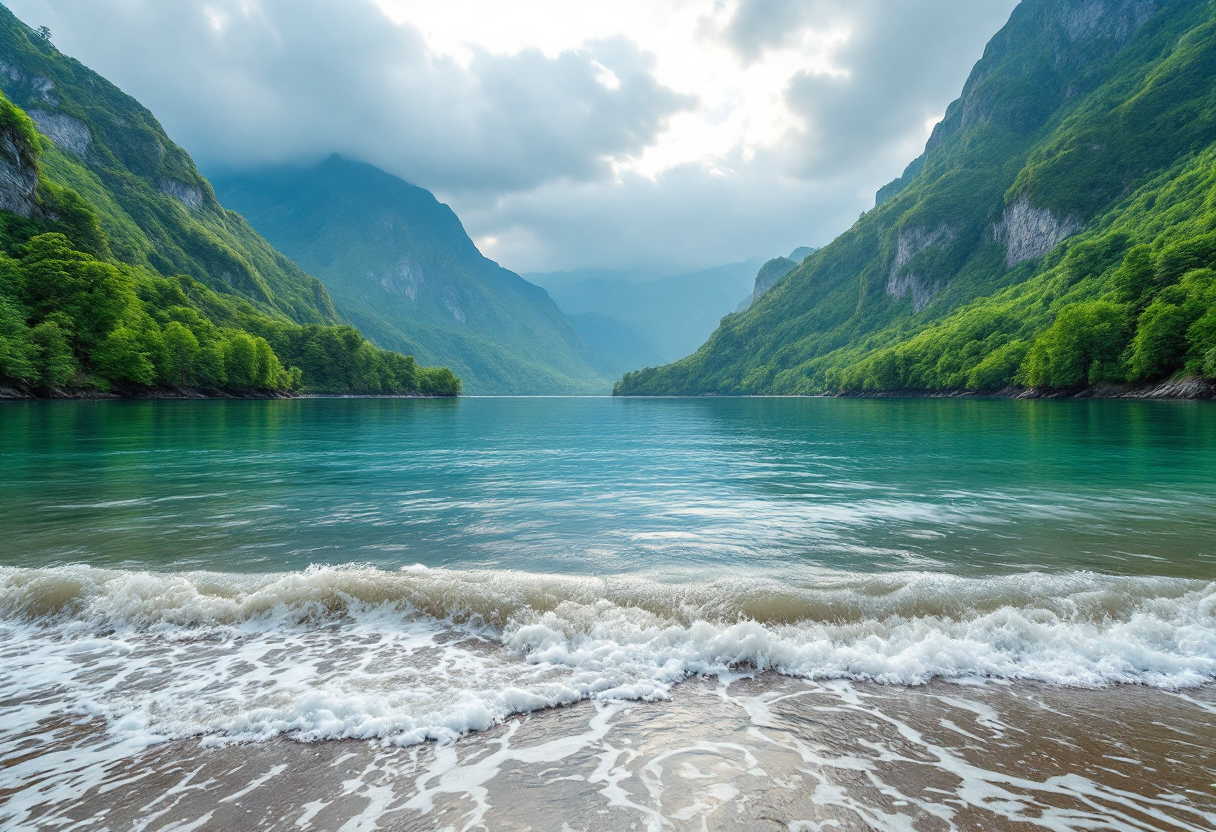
(740, 102)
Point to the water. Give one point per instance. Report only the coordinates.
(605, 487)
(177, 577)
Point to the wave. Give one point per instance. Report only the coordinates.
(432, 653)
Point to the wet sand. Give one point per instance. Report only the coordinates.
(770, 752)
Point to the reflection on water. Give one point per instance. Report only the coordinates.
(602, 486)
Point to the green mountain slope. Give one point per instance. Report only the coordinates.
(155, 207)
(400, 265)
(119, 270)
(1056, 232)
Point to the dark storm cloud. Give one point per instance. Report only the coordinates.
(240, 83)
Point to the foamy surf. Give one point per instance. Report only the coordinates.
(422, 654)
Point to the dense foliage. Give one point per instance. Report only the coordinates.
(1110, 129)
(70, 320)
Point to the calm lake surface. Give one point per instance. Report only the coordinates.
(609, 486)
(1015, 598)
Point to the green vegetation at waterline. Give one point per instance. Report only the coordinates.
(71, 321)
(1058, 232)
(120, 271)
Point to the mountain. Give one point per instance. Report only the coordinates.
(1056, 233)
(401, 267)
(773, 271)
(663, 319)
(120, 270)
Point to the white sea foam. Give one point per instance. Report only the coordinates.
(433, 653)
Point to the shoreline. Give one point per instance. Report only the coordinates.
(1186, 389)
(10, 394)
(1189, 389)
(767, 751)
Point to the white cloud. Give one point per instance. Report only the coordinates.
(574, 133)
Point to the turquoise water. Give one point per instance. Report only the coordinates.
(608, 486)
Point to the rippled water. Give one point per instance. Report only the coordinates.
(609, 486)
(179, 576)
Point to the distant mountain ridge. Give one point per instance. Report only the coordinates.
(1058, 231)
(664, 318)
(399, 264)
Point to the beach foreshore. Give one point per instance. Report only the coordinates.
(764, 752)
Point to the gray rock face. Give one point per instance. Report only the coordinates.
(71, 135)
(911, 242)
(40, 87)
(18, 178)
(1030, 232)
(405, 280)
(187, 195)
(770, 273)
(1116, 20)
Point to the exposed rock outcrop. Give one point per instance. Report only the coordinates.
(406, 279)
(770, 273)
(911, 242)
(71, 135)
(1179, 388)
(1029, 232)
(1113, 20)
(18, 176)
(188, 195)
(39, 87)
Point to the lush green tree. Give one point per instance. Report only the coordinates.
(17, 353)
(1135, 280)
(56, 363)
(54, 278)
(181, 353)
(120, 359)
(1160, 341)
(1084, 345)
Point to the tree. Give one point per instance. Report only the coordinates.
(241, 361)
(44, 33)
(119, 358)
(56, 364)
(181, 351)
(16, 351)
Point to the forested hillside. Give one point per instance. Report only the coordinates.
(1058, 232)
(401, 267)
(119, 270)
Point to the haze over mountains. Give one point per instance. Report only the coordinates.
(670, 316)
(400, 266)
(1058, 231)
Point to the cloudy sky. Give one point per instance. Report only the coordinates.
(615, 134)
